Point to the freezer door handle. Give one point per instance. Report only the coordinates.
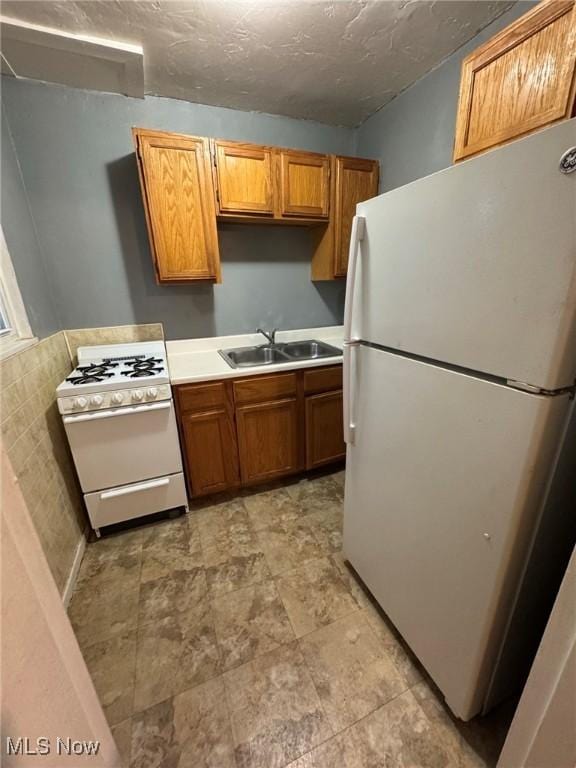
(349, 376)
(356, 236)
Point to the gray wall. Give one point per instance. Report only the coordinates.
(76, 155)
(22, 242)
(413, 135)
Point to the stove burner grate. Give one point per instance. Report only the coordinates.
(143, 367)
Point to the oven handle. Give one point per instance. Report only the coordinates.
(117, 412)
(134, 488)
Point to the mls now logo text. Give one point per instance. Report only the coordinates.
(23, 745)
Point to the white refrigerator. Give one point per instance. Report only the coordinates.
(459, 370)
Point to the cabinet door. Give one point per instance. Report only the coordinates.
(179, 202)
(356, 181)
(520, 80)
(304, 184)
(267, 439)
(211, 451)
(244, 178)
(324, 429)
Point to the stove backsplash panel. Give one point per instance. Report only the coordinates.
(117, 334)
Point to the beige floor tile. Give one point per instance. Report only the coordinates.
(316, 494)
(404, 660)
(326, 525)
(110, 559)
(314, 595)
(249, 623)
(111, 664)
(223, 523)
(192, 730)
(234, 565)
(481, 739)
(352, 670)
(173, 545)
(397, 735)
(175, 653)
(288, 545)
(275, 710)
(271, 507)
(100, 611)
(180, 590)
(122, 734)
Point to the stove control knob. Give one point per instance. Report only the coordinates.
(80, 402)
(117, 398)
(96, 400)
(137, 395)
(152, 393)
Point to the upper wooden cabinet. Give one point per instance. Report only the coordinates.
(244, 178)
(304, 184)
(178, 199)
(189, 183)
(270, 185)
(355, 180)
(520, 80)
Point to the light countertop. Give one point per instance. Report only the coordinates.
(191, 360)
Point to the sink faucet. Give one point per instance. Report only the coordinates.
(270, 335)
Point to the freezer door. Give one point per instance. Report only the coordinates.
(444, 484)
(476, 265)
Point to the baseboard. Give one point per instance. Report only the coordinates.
(73, 575)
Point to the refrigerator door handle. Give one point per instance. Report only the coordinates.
(349, 376)
(356, 236)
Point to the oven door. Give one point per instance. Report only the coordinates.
(124, 445)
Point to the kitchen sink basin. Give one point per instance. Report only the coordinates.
(309, 350)
(244, 357)
(273, 354)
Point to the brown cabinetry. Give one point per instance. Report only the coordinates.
(189, 183)
(255, 429)
(176, 185)
(519, 81)
(270, 185)
(324, 429)
(355, 180)
(267, 439)
(244, 178)
(208, 432)
(304, 184)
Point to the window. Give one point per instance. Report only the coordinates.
(15, 331)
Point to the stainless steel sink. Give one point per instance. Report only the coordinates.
(268, 354)
(244, 357)
(309, 350)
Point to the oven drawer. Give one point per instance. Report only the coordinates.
(124, 445)
(135, 500)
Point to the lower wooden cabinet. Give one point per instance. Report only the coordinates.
(324, 429)
(211, 452)
(251, 430)
(267, 440)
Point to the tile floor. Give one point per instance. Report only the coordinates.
(237, 637)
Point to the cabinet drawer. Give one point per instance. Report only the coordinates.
(201, 397)
(322, 379)
(261, 389)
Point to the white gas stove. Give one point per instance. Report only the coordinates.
(114, 375)
(118, 414)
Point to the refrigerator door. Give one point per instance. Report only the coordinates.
(444, 484)
(476, 265)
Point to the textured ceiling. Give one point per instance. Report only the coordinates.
(337, 62)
